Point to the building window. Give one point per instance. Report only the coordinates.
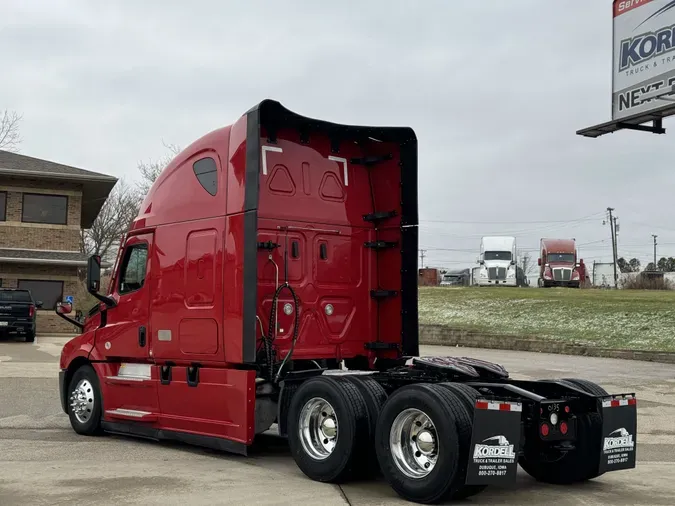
(207, 174)
(52, 209)
(133, 268)
(3, 206)
(49, 292)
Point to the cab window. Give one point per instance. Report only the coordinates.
(207, 174)
(133, 268)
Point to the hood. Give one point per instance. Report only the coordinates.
(558, 265)
(497, 263)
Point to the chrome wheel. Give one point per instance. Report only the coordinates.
(82, 401)
(318, 428)
(414, 443)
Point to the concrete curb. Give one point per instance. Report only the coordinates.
(448, 336)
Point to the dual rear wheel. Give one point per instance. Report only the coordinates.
(345, 427)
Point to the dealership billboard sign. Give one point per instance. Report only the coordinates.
(643, 55)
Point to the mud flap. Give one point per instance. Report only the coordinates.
(619, 432)
(495, 441)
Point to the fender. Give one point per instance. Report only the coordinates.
(81, 346)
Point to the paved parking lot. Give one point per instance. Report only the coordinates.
(42, 461)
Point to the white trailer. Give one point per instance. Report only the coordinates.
(498, 262)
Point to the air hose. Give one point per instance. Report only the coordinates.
(271, 331)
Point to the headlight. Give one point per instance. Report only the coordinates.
(483, 273)
(511, 273)
(575, 274)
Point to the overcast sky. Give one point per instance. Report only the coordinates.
(495, 91)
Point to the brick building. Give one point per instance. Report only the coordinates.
(43, 208)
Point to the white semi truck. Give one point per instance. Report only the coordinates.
(498, 262)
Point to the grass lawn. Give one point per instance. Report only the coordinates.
(622, 319)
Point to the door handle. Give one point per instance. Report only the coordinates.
(141, 336)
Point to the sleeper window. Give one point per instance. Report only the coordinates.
(207, 174)
(133, 271)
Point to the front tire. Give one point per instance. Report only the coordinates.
(85, 402)
(328, 430)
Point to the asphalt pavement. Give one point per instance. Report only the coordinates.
(43, 462)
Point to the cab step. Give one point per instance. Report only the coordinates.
(132, 414)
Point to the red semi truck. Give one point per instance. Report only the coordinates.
(270, 279)
(558, 263)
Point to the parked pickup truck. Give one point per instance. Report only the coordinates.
(17, 313)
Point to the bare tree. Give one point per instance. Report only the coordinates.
(527, 263)
(116, 215)
(151, 169)
(9, 130)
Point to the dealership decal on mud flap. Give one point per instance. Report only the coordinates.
(493, 456)
(619, 432)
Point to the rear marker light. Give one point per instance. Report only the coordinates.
(563, 428)
(567, 409)
(544, 429)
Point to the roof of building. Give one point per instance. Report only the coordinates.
(71, 258)
(95, 186)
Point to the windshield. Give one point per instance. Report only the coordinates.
(15, 296)
(561, 257)
(497, 255)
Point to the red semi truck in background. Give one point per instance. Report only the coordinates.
(271, 278)
(558, 264)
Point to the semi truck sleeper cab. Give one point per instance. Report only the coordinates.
(271, 278)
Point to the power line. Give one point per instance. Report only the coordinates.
(591, 217)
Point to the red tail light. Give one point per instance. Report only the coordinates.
(31, 310)
(563, 428)
(544, 429)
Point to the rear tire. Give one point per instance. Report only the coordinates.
(468, 397)
(418, 425)
(85, 402)
(586, 385)
(375, 396)
(30, 337)
(564, 468)
(328, 429)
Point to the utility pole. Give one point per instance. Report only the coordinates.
(654, 236)
(422, 251)
(612, 225)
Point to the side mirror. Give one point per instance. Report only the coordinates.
(64, 308)
(94, 280)
(539, 261)
(94, 274)
(38, 303)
